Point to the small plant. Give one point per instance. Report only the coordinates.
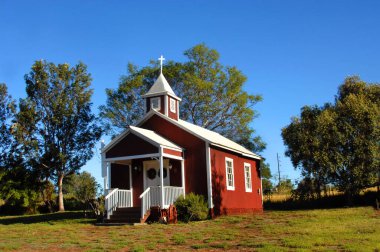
(191, 208)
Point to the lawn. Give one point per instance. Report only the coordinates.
(347, 229)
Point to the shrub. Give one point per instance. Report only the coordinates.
(191, 208)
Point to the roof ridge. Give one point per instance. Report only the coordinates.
(237, 148)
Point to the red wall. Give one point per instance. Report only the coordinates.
(171, 114)
(237, 201)
(129, 146)
(120, 176)
(195, 157)
(173, 152)
(175, 173)
(137, 181)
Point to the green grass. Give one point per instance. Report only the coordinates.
(346, 229)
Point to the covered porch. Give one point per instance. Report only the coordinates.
(141, 170)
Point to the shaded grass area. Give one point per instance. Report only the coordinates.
(38, 218)
(349, 229)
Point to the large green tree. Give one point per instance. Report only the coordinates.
(339, 143)
(18, 188)
(55, 124)
(303, 139)
(212, 96)
(7, 110)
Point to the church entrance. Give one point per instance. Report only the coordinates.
(152, 174)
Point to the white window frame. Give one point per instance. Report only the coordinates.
(159, 103)
(230, 187)
(173, 107)
(248, 180)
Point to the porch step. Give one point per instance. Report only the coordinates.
(127, 215)
(128, 210)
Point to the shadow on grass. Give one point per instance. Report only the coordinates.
(42, 218)
(336, 201)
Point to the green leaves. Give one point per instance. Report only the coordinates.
(7, 110)
(212, 96)
(55, 125)
(339, 143)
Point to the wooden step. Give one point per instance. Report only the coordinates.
(123, 220)
(128, 209)
(127, 215)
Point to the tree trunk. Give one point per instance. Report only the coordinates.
(61, 207)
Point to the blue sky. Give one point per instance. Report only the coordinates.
(294, 53)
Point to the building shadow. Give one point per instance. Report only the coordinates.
(217, 189)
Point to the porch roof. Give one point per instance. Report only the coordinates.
(153, 137)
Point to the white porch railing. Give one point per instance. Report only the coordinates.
(171, 194)
(145, 201)
(152, 197)
(117, 198)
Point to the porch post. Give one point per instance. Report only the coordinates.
(104, 166)
(130, 182)
(109, 175)
(162, 178)
(183, 176)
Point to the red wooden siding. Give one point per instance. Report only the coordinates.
(175, 173)
(195, 157)
(173, 152)
(172, 114)
(137, 181)
(236, 201)
(131, 145)
(120, 176)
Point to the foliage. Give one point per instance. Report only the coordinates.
(284, 186)
(18, 190)
(266, 175)
(98, 206)
(306, 190)
(7, 110)
(191, 208)
(212, 96)
(83, 187)
(339, 143)
(55, 125)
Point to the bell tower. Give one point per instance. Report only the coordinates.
(161, 97)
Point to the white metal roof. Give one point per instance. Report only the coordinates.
(207, 135)
(153, 136)
(160, 86)
(216, 139)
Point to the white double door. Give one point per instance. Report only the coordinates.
(152, 176)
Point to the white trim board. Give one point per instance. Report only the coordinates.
(171, 156)
(132, 157)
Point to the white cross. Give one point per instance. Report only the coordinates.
(161, 59)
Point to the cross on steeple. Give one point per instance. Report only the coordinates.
(161, 59)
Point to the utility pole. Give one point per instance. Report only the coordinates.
(278, 167)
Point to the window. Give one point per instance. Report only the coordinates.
(172, 105)
(155, 103)
(248, 177)
(230, 174)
